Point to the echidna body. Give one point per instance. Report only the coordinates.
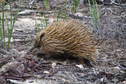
(67, 36)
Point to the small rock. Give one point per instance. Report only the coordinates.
(46, 72)
(53, 65)
(80, 66)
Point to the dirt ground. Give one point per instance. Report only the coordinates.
(19, 67)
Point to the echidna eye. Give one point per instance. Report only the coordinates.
(42, 35)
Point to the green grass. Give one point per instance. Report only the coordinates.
(2, 28)
(94, 13)
(62, 14)
(10, 28)
(8, 31)
(75, 5)
(46, 4)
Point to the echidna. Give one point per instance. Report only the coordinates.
(69, 38)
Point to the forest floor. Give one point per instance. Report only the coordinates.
(19, 67)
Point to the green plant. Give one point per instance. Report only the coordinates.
(8, 31)
(10, 28)
(62, 14)
(1, 33)
(94, 13)
(2, 28)
(46, 4)
(75, 5)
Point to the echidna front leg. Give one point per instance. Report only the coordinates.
(86, 62)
